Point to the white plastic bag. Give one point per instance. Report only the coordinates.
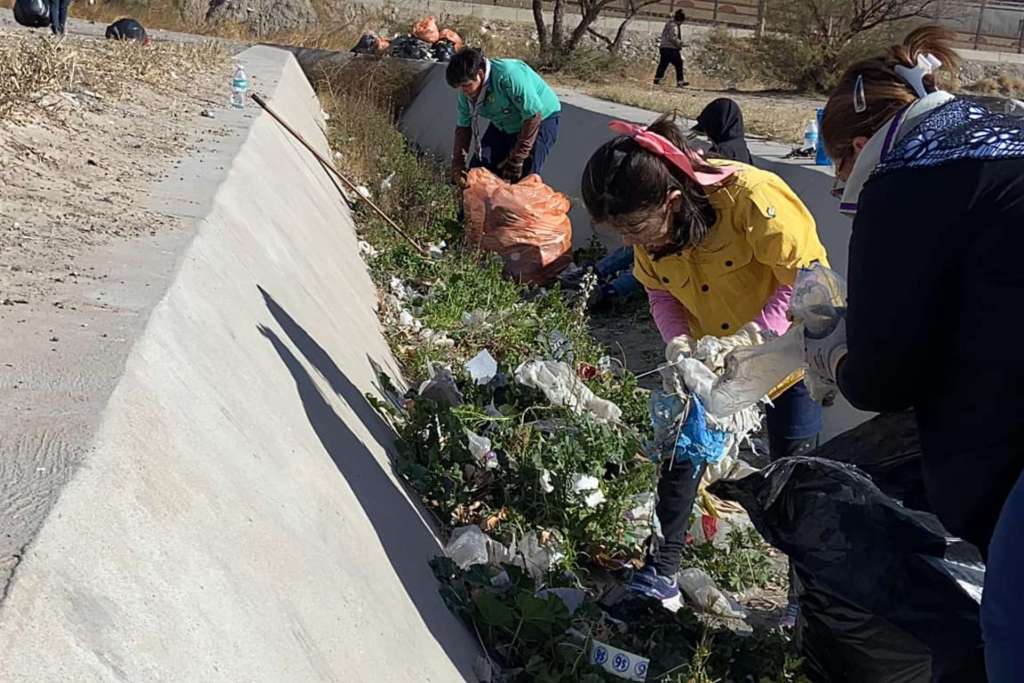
(700, 589)
(562, 387)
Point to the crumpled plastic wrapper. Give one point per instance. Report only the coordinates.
(563, 388)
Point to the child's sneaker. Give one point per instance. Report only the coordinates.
(647, 582)
(789, 617)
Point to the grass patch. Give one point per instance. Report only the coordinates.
(524, 486)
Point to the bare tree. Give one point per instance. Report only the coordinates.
(558, 42)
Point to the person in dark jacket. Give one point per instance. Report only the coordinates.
(722, 122)
(935, 290)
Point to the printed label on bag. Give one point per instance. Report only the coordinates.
(618, 662)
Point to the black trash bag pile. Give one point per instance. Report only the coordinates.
(126, 29)
(32, 13)
(885, 595)
(407, 47)
(443, 50)
(367, 45)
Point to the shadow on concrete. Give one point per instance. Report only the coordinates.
(319, 358)
(407, 541)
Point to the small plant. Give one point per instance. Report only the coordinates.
(742, 564)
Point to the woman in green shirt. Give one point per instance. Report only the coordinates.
(522, 110)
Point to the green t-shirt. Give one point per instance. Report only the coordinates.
(515, 94)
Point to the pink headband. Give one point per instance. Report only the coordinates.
(661, 146)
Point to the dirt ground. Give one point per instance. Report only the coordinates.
(77, 157)
(86, 129)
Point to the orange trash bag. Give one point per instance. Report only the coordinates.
(426, 30)
(527, 223)
(452, 37)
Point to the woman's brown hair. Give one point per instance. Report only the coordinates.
(884, 91)
(622, 177)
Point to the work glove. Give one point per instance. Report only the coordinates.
(460, 179)
(511, 170)
(679, 348)
(824, 351)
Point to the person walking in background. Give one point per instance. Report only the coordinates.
(59, 17)
(672, 49)
(722, 122)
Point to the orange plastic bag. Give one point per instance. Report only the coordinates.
(527, 223)
(452, 37)
(426, 30)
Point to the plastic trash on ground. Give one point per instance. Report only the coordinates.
(469, 546)
(32, 13)
(452, 37)
(562, 387)
(440, 387)
(426, 30)
(885, 594)
(617, 662)
(482, 367)
(480, 449)
(127, 29)
(681, 431)
(700, 589)
(526, 223)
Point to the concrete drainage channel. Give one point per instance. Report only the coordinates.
(236, 518)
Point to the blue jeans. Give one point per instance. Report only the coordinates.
(496, 145)
(617, 269)
(794, 421)
(58, 16)
(1002, 605)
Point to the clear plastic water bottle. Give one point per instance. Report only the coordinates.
(811, 135)
(239, 87)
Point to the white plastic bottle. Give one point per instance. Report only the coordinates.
(239, 87)
(811, 135)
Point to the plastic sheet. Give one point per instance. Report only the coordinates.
(563, 388)
(886, 596)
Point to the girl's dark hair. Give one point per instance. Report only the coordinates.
(463, 66)
(622, 177)
(679, 16)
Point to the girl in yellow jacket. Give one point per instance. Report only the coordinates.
(717, 245)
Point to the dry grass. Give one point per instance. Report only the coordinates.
(1004, 83)
(35, 69)
(779, 116)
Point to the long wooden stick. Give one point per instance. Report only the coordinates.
(329, 166)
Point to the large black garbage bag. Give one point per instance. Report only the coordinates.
(407, 47)
(443, 50)
(126, 29)
(885, 595)
(367, 45)
(32, 13)
(888, 449)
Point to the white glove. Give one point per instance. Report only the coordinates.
(823, 354)
(679, 348)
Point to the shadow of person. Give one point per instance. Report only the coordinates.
(382, 432)
(407, 541)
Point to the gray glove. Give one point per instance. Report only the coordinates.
(823, 352)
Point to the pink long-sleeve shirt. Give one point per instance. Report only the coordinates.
(671, 317)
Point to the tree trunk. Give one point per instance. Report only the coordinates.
(542, 30)
(558, 26)
(586, 21)
(620, 35)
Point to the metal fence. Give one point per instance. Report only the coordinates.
(996, 25)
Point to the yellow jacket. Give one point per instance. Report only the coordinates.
(764, 234)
